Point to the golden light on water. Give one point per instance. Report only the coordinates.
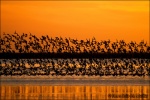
(127, 20)
(39, 92)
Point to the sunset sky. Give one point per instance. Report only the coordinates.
(128, 20)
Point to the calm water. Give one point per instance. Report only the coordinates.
(74, 90)
(38, 92)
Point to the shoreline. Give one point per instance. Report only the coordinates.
(76, 80)
(86, 77)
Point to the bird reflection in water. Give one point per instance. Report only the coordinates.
(80, 92)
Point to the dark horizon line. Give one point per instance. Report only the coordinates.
(72, 55)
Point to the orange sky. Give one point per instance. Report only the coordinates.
(128, 20)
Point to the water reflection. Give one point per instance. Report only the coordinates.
(38, 92)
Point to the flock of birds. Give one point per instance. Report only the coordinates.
(28, 43)
(76, 67)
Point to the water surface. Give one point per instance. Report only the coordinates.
(74, 89)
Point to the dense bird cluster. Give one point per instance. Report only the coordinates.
(28, 43)
(76, 67)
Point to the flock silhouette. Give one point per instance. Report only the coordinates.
(76, 67)
(28, 43)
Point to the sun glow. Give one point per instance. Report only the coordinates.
(128, 20)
